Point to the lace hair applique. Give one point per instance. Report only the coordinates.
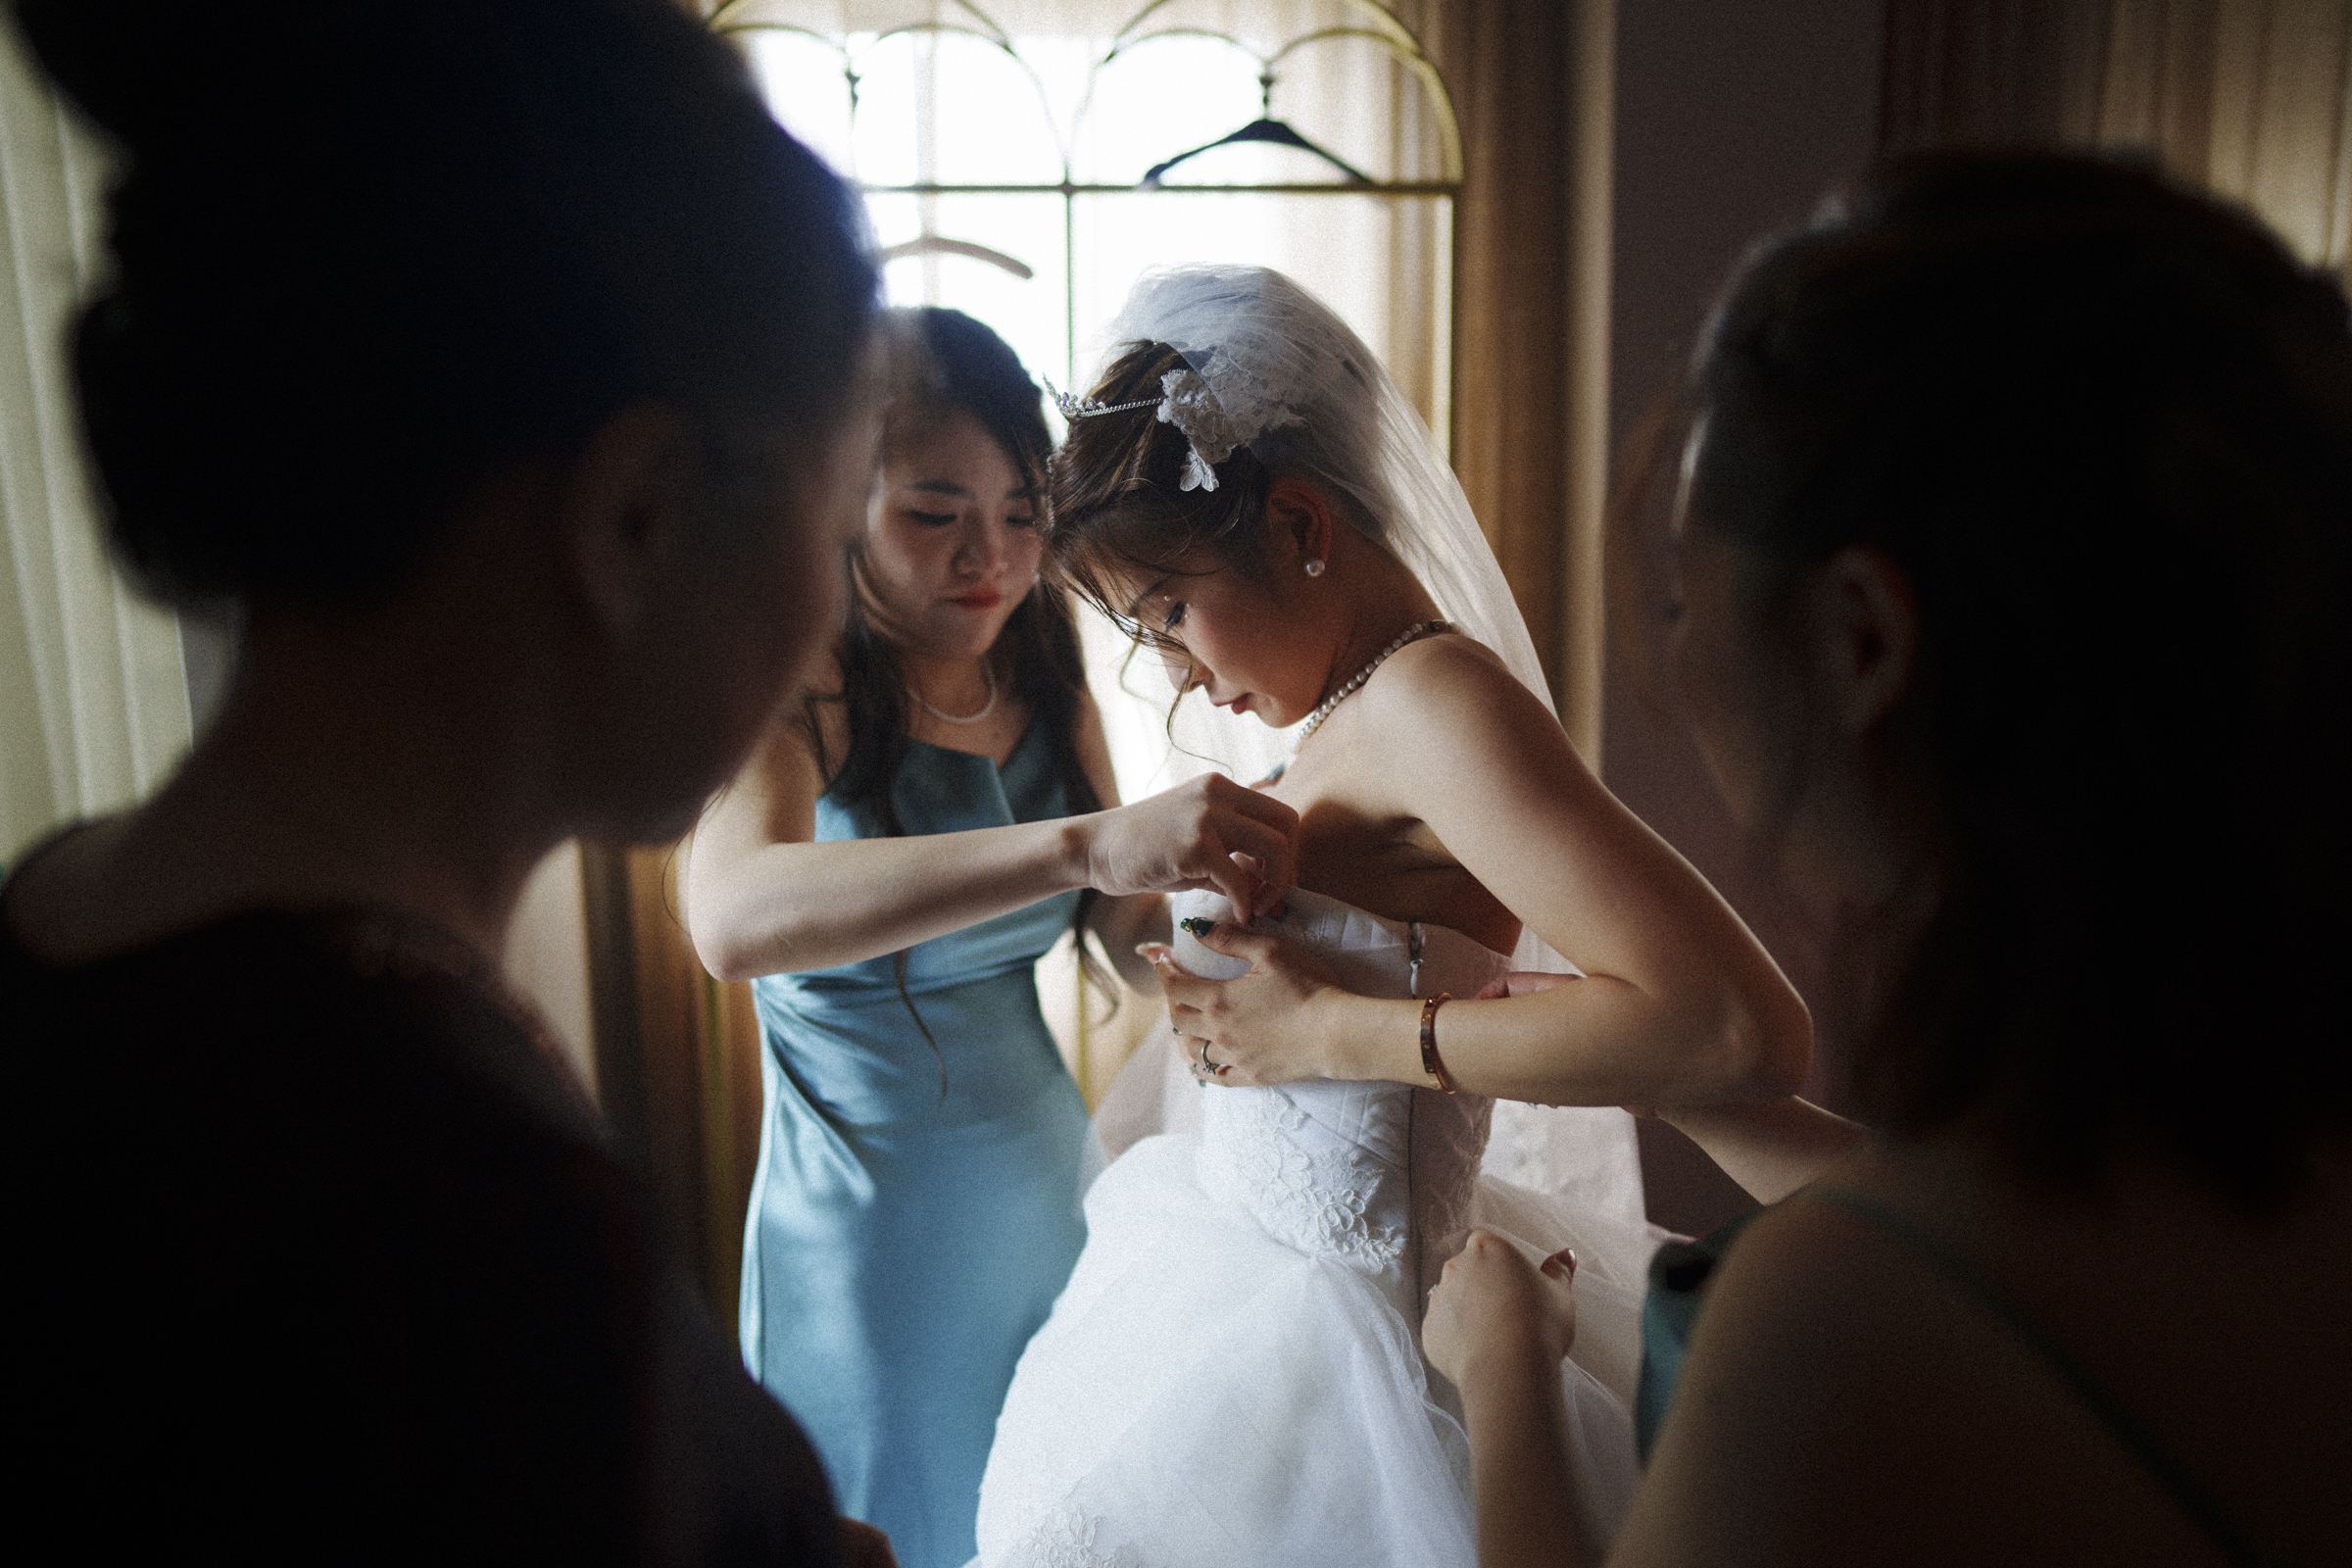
(1191, 407)
(1219, 408)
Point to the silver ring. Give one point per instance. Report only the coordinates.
(1206, 1065)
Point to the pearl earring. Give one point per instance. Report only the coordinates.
(1314, 568)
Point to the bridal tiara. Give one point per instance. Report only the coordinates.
(1188, 402)
(1077, 408)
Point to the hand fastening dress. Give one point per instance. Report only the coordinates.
(905, 1239)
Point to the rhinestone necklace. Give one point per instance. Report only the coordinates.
(1348, 688)
(986, 708)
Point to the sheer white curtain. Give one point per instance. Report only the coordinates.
(2253, 99)
(93, 690)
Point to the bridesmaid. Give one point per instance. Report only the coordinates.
(899, 852)
(2014, 573)
(501, 361)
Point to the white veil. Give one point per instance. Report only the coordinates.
(1280, 373)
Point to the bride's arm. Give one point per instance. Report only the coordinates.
(1680, 1006)
(761, 897)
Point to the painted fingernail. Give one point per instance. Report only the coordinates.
(1153, 951)
(1200, 925)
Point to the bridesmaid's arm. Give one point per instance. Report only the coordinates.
(761, 897)
(1498, 1328)
(1771, 1148)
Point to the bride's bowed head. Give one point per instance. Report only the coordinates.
(1247, 494)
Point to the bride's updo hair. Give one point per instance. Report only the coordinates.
(1298, 392)
(2104, 426)
(1115, 501)
(371, 251)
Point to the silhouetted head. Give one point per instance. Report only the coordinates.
(2018, 504)
(370, 252)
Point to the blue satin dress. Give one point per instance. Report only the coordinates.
(903, 1243)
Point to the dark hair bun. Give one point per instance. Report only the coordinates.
(369, 249)
(2104, 423)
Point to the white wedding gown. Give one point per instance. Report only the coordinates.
(1233, 1375)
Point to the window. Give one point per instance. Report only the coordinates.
(984, 135)
(1027, 162)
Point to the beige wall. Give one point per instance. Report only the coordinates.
(1732, 118)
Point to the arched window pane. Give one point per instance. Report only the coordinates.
(1031, 314)
(1159, 98)
(946, 108)
(807, 85)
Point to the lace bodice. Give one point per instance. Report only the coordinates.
(1378, 1176)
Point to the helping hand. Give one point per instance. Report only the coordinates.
(1211, 833)
(1255, 1026)
(1494, 1312)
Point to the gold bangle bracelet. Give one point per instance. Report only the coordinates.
(1429, 1063)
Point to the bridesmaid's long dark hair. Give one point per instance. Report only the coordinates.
(941, 362)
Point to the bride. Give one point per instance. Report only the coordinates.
(1233, 1375)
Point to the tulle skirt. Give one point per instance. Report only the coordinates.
(1204, 1394)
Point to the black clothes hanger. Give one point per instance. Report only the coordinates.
(1264, 129)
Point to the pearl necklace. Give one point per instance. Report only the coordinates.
(986, 708)
(1411, 634)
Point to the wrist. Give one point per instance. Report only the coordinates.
(1373, 1040)
(1513, 1366)
(1077, 838)
(1338, 1035)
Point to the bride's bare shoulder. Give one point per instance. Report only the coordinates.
(1452, 670)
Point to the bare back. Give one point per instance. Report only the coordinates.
(1864, 1396)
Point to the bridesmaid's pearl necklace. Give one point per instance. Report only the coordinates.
(1348, 688)
(986, 709)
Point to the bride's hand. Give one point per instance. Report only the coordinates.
(1256, 1027)
(1210, 833)
(1495, 1314)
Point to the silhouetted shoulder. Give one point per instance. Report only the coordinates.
(331, 1233)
